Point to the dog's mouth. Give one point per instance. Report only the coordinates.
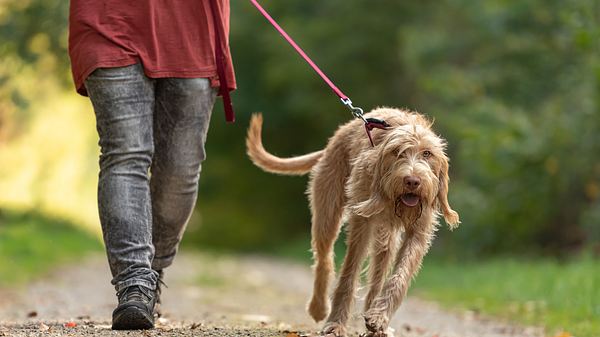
(410, 199)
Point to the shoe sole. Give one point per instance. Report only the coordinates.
(132, 318)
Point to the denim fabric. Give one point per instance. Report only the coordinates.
(152, 134)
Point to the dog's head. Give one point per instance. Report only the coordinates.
(410, 170)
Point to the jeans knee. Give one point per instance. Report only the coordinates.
(178, 174)
(127, 162)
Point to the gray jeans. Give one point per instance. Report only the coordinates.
(152, 134)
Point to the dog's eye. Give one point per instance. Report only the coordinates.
(398, 153)
(427, 154)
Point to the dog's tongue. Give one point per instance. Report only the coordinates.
(409, 199)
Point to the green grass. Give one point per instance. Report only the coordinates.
(32, 244)
(562, 296)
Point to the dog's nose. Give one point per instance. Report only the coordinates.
(412, 182)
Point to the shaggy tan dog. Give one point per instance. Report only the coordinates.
(394, 190)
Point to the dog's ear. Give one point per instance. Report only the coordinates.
(449, 214)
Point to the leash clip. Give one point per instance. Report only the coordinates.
(356, 111)
(370, 123)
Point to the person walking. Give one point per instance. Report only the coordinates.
(152, 70)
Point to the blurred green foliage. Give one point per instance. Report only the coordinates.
(31, 244)
(48, 151)
(33, 44)
(513, 86)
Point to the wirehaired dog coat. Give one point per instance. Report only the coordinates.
(391, 196)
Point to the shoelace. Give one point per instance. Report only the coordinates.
(135, 293)
(159, 285)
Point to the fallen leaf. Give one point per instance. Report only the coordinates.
(32, 314)
(70, 325)
(196, 325)
(420, 330)
(564, 334)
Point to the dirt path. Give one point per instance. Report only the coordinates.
(212, 296)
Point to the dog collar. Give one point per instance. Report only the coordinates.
(374, 123)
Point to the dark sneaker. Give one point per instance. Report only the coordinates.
(135, 310)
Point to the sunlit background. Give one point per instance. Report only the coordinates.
(514, 86)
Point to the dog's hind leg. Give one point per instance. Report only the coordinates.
(327, 199)
(385, 245)
(357, 242)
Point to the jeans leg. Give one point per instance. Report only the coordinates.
(181, 120)
(123, 101)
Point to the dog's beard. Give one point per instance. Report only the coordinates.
(411, 214)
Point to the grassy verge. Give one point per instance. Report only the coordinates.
(561, 296)
(31, 244)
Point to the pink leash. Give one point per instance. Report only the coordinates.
(370, 123)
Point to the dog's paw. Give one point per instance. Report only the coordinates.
(333, 329)
(388, 333)
(376, 322)
(318, 309)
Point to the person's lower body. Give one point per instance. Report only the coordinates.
(152, 134)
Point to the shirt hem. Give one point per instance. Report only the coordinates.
(122, 62)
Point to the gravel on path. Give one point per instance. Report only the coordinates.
(214, 295)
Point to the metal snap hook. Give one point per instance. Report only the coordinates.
(356, 111)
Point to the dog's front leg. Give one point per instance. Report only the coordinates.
(385, 244)
(359, 233)
(415, 246)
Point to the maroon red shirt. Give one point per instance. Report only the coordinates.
(171, 38)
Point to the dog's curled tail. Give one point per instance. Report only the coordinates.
(260, 157)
